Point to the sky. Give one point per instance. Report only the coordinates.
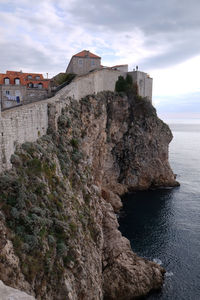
(161, 37)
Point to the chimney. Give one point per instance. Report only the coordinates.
(87, 53)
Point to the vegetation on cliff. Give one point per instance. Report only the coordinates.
(127, 86)
(65, 241)
(62, 78)
(46, 205)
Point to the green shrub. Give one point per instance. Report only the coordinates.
(15, 160)
(64, 122)
(129, 80)
(61, 248)
(76, 156)
(120, 85)
(20, 230)
(74, 143)
(32, 241)
(65, 78)
(12, 200)
(38, 211)
(34, 166)
(15, 213)
(5, 181)
(28, 147)
(126, 85)
(51, 240)
(67, 259)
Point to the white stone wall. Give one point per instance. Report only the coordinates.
(18, 125)
(87, 64)
(92, 83)
(35, 94)
(144, 82)
(122, 68)
(28, 122)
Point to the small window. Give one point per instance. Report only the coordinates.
(37, 77)
(6, 81)
(80, 61)
(17, 81)
(29, 76)
(7, 92)
(40, 85)
(17, 93)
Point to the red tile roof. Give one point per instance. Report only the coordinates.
(86, 53)
(24, 79)
(20, 73)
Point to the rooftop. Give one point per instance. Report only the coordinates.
(86, 53)
(20, 73)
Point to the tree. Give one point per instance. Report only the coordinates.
(126, 85)
(120, 85)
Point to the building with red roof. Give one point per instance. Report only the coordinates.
(17, 87)
(84, 62)
(30, 80)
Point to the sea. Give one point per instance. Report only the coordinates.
(163, 225)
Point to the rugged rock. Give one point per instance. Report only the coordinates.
(59, 233)
(8, 293)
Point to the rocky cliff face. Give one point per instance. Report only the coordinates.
(59, 232)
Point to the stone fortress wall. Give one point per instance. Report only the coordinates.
(25, 95)
(144, 82)
(27, 123)
(92, 83)
(18, 125)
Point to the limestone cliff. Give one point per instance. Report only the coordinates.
(59, 232)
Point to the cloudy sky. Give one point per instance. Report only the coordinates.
(161, 37)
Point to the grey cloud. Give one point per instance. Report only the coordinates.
(181, 51)
(150, 15)
(15, 56)
(172, 22)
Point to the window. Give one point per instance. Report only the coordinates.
(40, 85)
(6, 81)
(17, 93)
(92, 62)
(17, 81)
(35, 85)
(80, 61)
(29, 77)
(30, 85)
(37, 77)
(7, 92)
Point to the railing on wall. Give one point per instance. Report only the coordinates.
(64, 84)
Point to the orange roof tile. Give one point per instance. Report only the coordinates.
(86, 53)
(24, 79)
(20, 73)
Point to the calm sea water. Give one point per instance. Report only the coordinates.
(164, 225)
